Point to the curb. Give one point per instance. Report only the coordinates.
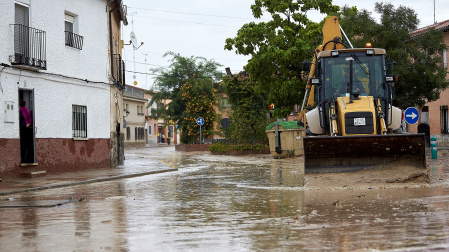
(89, 181)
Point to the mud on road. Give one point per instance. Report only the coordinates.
(400, 176)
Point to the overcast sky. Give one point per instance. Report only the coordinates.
(200, 28)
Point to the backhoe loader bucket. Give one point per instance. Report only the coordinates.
(325, 154)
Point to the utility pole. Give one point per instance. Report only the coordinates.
(434, 20)
(146, 76)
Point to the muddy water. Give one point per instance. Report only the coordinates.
(224, 203)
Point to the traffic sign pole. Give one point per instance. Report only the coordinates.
(200, 122)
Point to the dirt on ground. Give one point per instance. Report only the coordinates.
(395, 176)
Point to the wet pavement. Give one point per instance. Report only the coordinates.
(220, 203)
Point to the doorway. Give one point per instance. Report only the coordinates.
(27, 134)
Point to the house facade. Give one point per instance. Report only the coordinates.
(434, 115)
(158, 130)
(54, 58)
(116, 17)
(152, 122)
(134, 111)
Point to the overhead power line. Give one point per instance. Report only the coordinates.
(184, 21)
(160, 75)
(190, 13)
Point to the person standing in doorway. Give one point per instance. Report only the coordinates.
(25, 133)
(163, 138)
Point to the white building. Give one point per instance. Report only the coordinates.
(54, 55)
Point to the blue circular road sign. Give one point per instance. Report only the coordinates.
(200, 121)
(411, 115)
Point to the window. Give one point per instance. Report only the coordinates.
(170, 131)
(71, 38)
(445, 59)
(79, 121)
(425, 115)
(22, 14)
(128, 133)
(68, 23)
(149, 130)
(444, 119)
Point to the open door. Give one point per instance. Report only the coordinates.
(27, 134)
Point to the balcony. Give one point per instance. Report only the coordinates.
(29, 47)
(118, 70)
(73, 40)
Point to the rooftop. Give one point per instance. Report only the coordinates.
(442, 26)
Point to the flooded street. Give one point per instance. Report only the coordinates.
(224, 203)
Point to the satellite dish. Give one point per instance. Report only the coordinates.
(133, 39)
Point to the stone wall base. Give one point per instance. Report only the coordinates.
(55, 155)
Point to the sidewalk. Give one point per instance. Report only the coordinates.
(136, 164)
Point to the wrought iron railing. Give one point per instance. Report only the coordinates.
(73, 40)
(118, 72)
(29, 47)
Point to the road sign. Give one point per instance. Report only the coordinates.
(411, 115)
(200, 121)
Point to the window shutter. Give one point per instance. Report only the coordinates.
(21, 15)
(68, 23)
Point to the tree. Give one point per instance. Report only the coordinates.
(278, 47)
(248, 106)
(199, 99)
(418, 59)
(189, 84)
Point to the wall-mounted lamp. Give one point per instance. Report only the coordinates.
(126, 111)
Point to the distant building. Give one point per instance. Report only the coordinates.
(134, 113)
(156, 125)
(434, 115)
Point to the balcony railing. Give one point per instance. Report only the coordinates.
(118, 72)
(73, 40)
(29, 47)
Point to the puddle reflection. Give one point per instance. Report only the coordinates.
(226, 204)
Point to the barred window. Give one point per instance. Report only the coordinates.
(79, 121)
(444, 119)
(128, 133)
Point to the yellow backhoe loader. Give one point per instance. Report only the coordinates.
(349, 110)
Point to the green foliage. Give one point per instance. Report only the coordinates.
(199, 99)
(278, 47)
(418, 60)
(249, 107)
(189, 84)
(222, 147)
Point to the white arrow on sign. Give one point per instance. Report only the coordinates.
(413, 115)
